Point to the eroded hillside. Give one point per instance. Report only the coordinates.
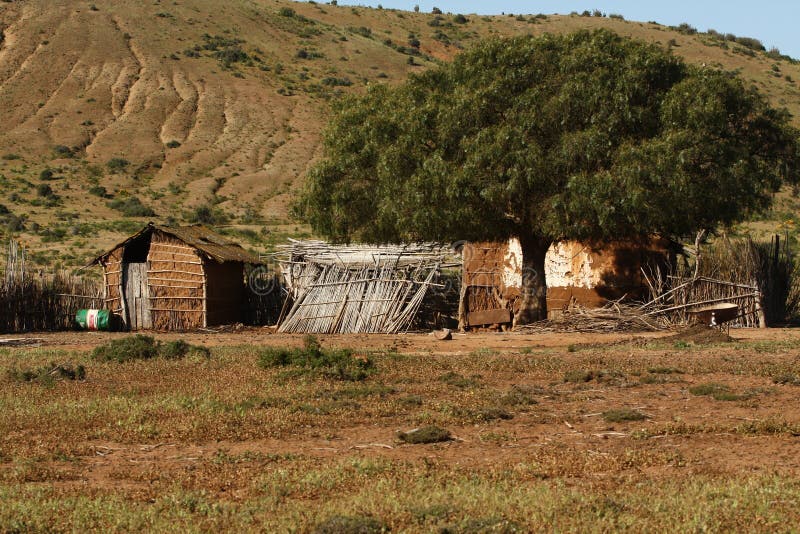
(115, 113)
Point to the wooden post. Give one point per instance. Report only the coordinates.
(759, 305)
(205, 298)
(697, 254)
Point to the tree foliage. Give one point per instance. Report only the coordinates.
(585, 136)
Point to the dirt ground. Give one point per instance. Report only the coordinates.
(570, 416)
(409, 343)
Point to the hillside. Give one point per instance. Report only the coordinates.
(213, 111)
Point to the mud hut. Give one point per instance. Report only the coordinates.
(576, 273)
(175, 278)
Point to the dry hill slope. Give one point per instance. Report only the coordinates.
(200, 103)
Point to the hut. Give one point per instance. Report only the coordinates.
(175, 278)
(576, 273)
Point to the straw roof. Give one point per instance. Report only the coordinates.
(209, 243)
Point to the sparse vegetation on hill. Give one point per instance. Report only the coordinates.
(229, 85)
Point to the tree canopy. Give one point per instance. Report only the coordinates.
(587, 136)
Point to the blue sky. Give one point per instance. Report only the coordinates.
(775, 22)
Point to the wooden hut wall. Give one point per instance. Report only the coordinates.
(112, 279)
(225, 297)
(177, 282)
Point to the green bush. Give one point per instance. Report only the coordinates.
(131, 207)
(48, 374)
(141, 347)
(709, 389)
(117, 165)
(175, 350)
(44, 191)
(99, 191)
(338, 364)
(138, 347)
(207, 215)
(333, 81)
(173, 144)
(63, 151)
(46, 175)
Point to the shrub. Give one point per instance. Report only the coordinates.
(578, 376)
(287, 12)
(491, 414)
(117, 165)
(47, 174)
(460, 19)
(131, 207)
(44, 191)
(141, 347)
(751, 43)
(63, 151)
(173, 144)
(138, 347)
(340, 364)
(710, 388)
(230, 55)
(11, 157)
(426, 434)
(361, 30)
(436, 11)
(332, 81)
(718, 392)
(48, 374)
(207, 215)
(623, 414)
(175, 350)
(787, 378)
(99, 191)
(340, 524)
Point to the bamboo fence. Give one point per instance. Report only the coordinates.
(41, 301)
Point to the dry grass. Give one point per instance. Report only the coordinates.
(219, 443)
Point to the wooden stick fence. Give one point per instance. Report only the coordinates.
(357, 289)
(39, 301)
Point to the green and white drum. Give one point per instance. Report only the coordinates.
(93, 319)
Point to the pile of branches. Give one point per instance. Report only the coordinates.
(614, 316)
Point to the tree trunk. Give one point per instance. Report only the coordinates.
(533, 306)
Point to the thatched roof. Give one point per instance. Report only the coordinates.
(205, 240)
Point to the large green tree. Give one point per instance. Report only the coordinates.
(588, 136)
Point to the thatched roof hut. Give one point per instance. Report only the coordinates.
(175, 278)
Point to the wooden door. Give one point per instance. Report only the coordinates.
(137, 296)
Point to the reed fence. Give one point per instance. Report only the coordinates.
(760, 277)
(38, 301)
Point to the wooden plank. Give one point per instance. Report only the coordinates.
(493, 316)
